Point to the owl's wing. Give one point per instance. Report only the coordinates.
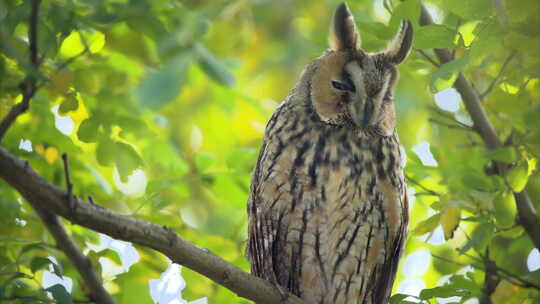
(386, 280)
(267, 252)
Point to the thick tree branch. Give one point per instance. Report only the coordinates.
(83, 265)
(491, 280)
(527, 214)
(29, 84)
(39, 192)
(65, 243)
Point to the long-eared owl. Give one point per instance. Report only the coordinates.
(328, 208)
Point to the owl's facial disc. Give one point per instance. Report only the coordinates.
(366, 101)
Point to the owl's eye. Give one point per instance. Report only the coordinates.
(343, 86)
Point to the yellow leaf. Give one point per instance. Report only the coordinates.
(75, 43)
(508, 293)
(61, 82)
(51, 155)
(72, 45)
(40, 149)
(96, 41)
(450, 220)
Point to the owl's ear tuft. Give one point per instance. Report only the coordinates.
(401, 45)
(343, 32)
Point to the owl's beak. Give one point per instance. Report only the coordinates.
(361, 113)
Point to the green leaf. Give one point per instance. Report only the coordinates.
(434, 36)
(78, 41)
(105, 152)
(480, 238)
(406, 10)
(88, 130)
(34, 246)
(161, 86)
(126, 159)
(39, 263)
(57, 269)
(447, 74)
(505, 154)
(397, 298)
(470, 10)
(213, 67)
(518, 176)
(449, 220)
(444, 291)
(111, 255)
(69, 104)
(204, 161)
(60, 294)
(427, 225)
(505, 209)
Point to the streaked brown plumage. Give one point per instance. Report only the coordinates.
(328, 208)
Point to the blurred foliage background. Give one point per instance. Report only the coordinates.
(161, 106)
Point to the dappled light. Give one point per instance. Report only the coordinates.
(156, 110)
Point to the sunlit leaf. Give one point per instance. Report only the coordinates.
(105, 152)
(506, 292)
(61, 82)
(480, 238)
(445, 76)
(77, 42)
(505, 209)
(449, 220)
(518, 176)
(427, 225)
(126, 159)
(70, 103)
(51, 155)
(88, 130)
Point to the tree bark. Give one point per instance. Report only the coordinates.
(42, 194)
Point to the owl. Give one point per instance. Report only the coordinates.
(328, 210)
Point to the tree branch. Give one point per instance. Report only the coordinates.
(499, 76)
(65, 243)
(527, 214)
(29, 84)
(39, 192)
(427, 57)
(491, 280)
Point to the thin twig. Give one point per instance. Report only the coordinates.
(413, 181)
(452, 126)
(29, 84)
(499, 76)
(69, 184)
(526, 210)
(428, 58)
(424, 194)
(40, 192)
(512, 278)
(62, 66)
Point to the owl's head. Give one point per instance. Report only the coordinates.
(352, 87)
